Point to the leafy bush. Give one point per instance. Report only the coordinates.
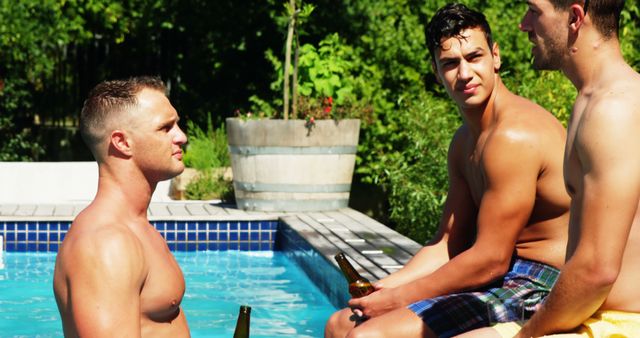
(412, 164)
(331, 71)
(207, 151)
(418, 179)
(210, 185)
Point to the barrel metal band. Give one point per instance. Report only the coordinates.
(301, 188)
(291, 205)
(253, 150)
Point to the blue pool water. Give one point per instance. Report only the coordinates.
(284, 301)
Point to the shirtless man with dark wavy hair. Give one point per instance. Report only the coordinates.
(502, 236)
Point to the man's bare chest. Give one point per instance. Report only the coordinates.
(164, 287)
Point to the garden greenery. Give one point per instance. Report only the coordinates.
(207, 152)
(212, 53)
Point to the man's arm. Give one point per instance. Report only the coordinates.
(602, 212)
(511, 166)
(105, 283)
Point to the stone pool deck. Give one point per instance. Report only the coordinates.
(376, 249)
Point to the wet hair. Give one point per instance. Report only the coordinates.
(105, 103)
(449, 21)
(605, 14)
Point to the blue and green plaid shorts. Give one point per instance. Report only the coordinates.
(517, 297)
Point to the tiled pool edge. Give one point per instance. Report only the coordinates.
(324, 274)
(180, 235)
(375, 249)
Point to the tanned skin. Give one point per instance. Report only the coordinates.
(114, 274)
(505, 196)
(602, 170)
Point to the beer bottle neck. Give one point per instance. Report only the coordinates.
(347, 269)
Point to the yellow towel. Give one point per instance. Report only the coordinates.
(603, 324)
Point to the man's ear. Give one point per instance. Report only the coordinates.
(435, 72)
(497, 62)
(576, 17)
(120, 143)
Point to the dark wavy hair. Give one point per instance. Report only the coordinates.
(605, 14)
(449, 21)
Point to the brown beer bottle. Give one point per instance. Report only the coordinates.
(242, 326)
(358, 285)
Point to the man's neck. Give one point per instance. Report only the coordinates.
(590, 59)
(127, 191)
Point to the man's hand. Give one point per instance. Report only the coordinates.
(379, 302)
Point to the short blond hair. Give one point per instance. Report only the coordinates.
(106, 101)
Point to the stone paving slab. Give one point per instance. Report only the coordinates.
(374, 249)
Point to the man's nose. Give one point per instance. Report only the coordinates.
(525, 24)
(464, 70)
(181, 137)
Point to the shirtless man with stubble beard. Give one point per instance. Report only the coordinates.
(114, 274)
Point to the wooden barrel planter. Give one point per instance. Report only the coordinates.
(282, 165)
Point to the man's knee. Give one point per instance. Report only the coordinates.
(364, 332)
(338, 324)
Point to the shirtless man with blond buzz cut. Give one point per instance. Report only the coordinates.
(597, 294)
(502, 235)
(114, 274)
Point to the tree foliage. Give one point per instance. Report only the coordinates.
(212, 53)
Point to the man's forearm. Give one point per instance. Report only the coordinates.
(574, 298)
(464, 272)
(426, 261)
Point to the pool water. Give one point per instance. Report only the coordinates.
(284, 301)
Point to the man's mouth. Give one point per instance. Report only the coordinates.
(469, 89)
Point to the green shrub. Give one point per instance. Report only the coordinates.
(207, 150)
(418, 179)
(209, 186)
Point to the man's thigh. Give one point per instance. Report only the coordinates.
(340, 323)
(398, 323)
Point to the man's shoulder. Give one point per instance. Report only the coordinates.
(617, 96)
(94, 231)
(520, 108)
(523, 119)
(524, 131)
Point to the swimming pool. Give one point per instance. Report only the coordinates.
(309, 240)
(285, 301)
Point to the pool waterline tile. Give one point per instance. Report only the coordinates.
(312, 237)
(35, 236)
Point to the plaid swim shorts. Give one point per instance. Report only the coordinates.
(517, 296)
